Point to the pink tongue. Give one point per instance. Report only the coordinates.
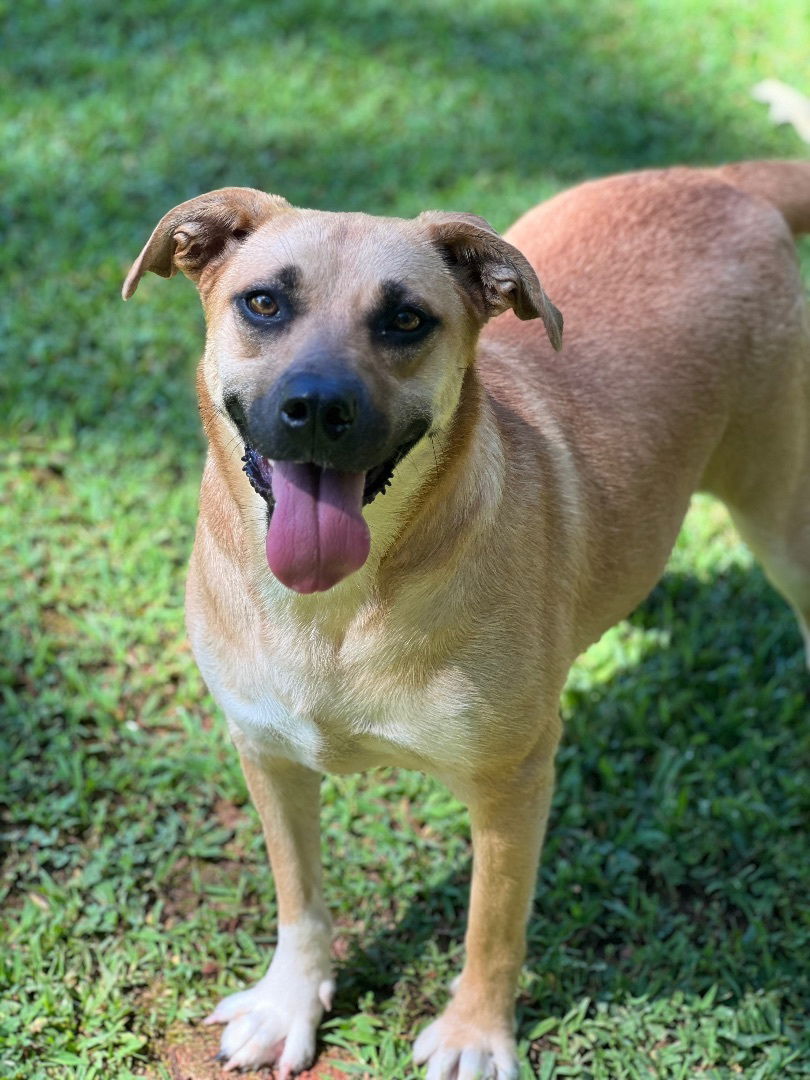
(317, 533)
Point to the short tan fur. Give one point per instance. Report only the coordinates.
(538, 508)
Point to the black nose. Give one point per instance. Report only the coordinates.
(326, 418)
(315, 408)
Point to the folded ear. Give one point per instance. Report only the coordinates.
(197, 232)
(493, 273)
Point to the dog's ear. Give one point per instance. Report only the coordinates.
(198, 232)
(493, 273)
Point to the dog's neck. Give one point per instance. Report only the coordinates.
(455, 495)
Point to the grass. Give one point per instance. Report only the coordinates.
(671, 929)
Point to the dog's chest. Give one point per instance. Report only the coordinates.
(343, 710)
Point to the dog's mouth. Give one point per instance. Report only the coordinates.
(317, 534)
(259, 471)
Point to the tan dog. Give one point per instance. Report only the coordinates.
(534, 500)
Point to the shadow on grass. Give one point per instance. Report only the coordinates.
(671, 863)
(554, 90)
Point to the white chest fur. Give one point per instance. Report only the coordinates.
(341, 708)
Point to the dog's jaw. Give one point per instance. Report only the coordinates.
(259, 471)
(317, 535)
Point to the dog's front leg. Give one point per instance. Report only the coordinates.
(474, 1037)
(276, 1020)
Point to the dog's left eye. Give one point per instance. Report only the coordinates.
(406, 321)
(262, 304)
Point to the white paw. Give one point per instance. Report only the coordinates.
(455, 1050)
(274, 1023)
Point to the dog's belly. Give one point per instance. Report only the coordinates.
(334, 721)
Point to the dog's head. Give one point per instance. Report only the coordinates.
(335, 343)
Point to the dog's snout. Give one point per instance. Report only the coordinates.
(314, 408)
(325, 417)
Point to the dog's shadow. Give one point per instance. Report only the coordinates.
(670, 862)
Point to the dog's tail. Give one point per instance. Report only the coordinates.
(785, 184)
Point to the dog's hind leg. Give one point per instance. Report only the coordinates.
(782, 545)
(275, 1021)
(765, 483)
(764, 474)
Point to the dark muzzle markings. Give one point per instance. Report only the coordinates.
(319, 446)
(317, 450)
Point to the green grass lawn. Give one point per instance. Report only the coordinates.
(671, 934)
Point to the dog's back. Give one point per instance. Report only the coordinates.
(683, 304)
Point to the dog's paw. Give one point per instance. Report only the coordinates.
(275, 1022)
(457, 1050)
(264, 1027)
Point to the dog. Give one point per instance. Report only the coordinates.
(413, 520)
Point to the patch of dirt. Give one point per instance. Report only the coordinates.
(191, 1056)
(229, 815)
(181, 897)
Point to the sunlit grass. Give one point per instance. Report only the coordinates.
(671, 933)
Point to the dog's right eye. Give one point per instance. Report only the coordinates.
(262, 304)
(406, 321)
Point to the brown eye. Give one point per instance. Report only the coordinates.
(406, 321)
(262, 304)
